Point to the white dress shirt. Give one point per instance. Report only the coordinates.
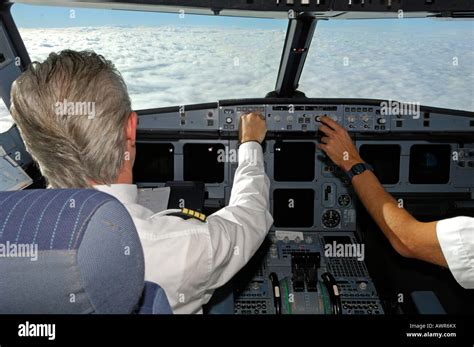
(189, 259)
(456, 237)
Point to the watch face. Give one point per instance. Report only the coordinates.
(358, 169)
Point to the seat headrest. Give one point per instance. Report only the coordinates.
(68, 251)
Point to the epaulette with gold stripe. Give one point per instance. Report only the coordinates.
(187, 213)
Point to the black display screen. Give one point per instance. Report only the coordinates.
(293, 208)
(294, 161)
(430, 164)
(385, 159)
(202, 162)
(154, 162)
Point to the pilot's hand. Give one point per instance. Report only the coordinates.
(252, 127)
(338, 144)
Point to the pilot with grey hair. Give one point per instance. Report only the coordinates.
(188, 258)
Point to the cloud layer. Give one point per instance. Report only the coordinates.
(165, 66)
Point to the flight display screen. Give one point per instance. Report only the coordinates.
(385, 159)
(430, 164)
(293, 208)
(202, 162)
(294, 161)
(154, 162)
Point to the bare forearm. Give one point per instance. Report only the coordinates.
(384, 209)
(408, 236)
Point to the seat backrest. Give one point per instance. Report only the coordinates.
(68, 251)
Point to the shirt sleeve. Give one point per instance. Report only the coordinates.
(238, 230)
(456, 237)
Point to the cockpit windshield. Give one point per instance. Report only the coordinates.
(177, 59)
(166, 59)
(426, 61)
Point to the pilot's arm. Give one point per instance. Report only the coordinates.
(448, 242)
(239, 229)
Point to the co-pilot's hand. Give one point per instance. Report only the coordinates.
(252, 127)
(338, 144)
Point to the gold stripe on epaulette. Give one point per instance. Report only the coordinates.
(194, 214)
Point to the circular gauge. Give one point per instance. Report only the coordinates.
(331, 218)
(344, 200)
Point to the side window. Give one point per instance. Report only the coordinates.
(6, 120)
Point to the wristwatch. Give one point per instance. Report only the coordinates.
(357, 169)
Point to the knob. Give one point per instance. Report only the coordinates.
(228, 120)
(365, 118)
(381, 121)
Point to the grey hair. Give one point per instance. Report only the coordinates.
(73, 150)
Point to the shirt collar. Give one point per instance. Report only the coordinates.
(125, 193)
